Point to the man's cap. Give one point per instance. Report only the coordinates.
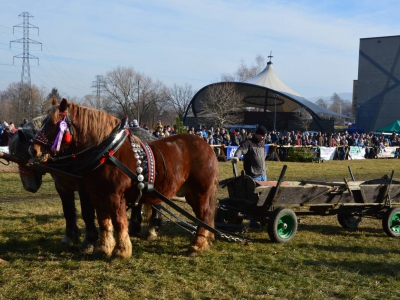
(261, 130)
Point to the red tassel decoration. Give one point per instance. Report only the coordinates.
(67, 137)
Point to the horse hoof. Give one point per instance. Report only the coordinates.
(152, 237)
(87, 247)
(192, 252)
(98, 255)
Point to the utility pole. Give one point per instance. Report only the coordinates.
(138, 103)
(26, 72)
(98, 85)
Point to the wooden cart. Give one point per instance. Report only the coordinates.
(277, 204)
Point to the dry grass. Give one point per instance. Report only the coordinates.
(323, 261)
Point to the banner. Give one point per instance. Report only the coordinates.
(230, 151)
(387, 152)
(327, 153)
(4, 149)
(356, 152)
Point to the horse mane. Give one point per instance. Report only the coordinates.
(92, 125)
(143, 134)
(35, 123)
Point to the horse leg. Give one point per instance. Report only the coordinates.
(135, 221)
(155, 222)
(107, 241)
(123, 247)
(88, 215)
(204, 208)
(68, 205)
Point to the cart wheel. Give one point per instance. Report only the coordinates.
(228, 216)
(349, 221)
(282, 225)
(391, 222)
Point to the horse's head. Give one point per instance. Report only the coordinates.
(19, 146)
(55, 133)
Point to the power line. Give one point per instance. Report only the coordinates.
(26, 56)
(60, 65)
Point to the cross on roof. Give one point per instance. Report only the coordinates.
(270, 56)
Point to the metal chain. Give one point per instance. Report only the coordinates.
(174, 222)
(222, 235)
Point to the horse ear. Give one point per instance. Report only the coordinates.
(63, 105)
(22, 136)
(54, 101)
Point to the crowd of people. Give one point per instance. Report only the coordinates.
(159, 131)
(372, 142)
(235, 136)
(6, 132)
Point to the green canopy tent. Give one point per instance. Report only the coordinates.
(392, 127)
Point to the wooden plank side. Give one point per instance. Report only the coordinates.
(297, 195)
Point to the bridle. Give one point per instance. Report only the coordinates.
(65, 133)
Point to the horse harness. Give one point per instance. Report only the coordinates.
(145, 161)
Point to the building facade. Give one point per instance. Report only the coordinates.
(377, 97)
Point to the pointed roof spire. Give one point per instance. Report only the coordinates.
(267, 78)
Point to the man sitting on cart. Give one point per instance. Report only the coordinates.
(254, 153)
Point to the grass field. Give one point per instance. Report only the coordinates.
(323, 261)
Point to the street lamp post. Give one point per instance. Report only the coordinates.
(275, 112)
(138, 102)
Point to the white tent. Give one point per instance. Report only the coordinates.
(267, 91)
(267, 78)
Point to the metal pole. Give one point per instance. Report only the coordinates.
(138, 109)
(275, 113)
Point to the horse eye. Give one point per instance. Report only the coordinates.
(30, 142)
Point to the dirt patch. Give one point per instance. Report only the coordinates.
(8, 168)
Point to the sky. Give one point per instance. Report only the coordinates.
(314, 44)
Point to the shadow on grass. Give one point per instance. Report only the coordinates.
(39, 219)
(35, 244)
(338, 230)
(356, 249)
(360, 267)
(45, 247)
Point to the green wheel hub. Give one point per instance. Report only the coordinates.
(282, 225)
(391, 222)
(394, 222)
(286, 226)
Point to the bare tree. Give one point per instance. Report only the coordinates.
(222, 104)
(304, 119)
(42, 102)
(340, 106)
(18, 103)
(321, 102)
(245, 72)
(101, 102)
(179, 98)
(134, 94)
(120, 84)
(9, 103)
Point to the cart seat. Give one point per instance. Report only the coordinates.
(243, 188)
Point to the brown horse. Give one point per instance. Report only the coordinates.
(185, 165)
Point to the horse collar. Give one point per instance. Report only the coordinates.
(145, 162)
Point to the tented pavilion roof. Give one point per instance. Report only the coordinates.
(267, 91)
